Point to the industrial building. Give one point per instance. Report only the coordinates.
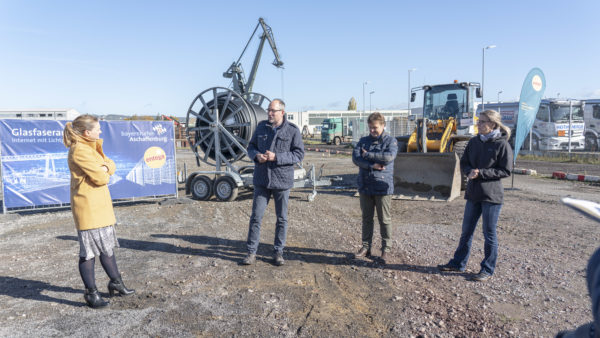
(39, 114)
(313, 119)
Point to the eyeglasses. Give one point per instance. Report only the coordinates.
(273, 110)
(482, 121)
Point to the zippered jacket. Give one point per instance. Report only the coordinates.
(380, 150)
(494, 160)
(286, 143)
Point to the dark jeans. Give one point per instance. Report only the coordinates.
(368, 205)
(259, 204)
(489, 213)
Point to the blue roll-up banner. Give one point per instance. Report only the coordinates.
(529, 103)
(35, 172)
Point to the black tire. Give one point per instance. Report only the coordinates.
(459, 149)
(591, 143)
(201, 188)
(225, 189)
(337, 141)
(402, 147)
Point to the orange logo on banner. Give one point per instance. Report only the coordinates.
(155, 157)
(536, 82)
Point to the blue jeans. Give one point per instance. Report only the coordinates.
(259, 204)
(490, 213)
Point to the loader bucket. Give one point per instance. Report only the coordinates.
(427, 176)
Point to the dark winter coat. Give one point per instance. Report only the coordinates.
(494, 160)
(286, 143)
(380, 150)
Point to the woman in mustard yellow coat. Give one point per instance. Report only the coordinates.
(92, 208)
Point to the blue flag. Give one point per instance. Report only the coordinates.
(529, 103)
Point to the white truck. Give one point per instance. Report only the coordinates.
(552, 125)
(591, 116)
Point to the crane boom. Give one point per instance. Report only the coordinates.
(236, 72)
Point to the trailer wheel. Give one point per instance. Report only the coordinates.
(225, 189)
(337, 141)
(591, 143)
(201, 188)
(459, 149)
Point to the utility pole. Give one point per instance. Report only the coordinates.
(483, 72)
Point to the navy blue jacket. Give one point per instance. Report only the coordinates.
(286, 143)
(380, 150)
(493, 158)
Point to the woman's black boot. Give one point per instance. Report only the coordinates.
(93, 299)
(117, 285)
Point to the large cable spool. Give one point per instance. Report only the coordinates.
(224, 123)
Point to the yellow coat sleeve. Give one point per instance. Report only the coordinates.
(85, 159)
(110, 164)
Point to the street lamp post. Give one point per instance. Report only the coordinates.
(409, 71)
(364, 84)
(483, 72)
(499, 109)
(370, 107)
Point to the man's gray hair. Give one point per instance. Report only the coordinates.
(280, 102)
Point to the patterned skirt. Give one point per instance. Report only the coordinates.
(94, 242)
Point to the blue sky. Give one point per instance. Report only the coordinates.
(150, 57)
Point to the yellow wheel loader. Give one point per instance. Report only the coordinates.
(427, 166)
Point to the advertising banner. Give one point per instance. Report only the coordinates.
(529, 103)
(35, 172)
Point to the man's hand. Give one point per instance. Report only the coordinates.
(378, 166)
(261, 158)
(270, 156)
(362, 152)
(473, 174)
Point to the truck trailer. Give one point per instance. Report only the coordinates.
(336, 130)
(555, 120)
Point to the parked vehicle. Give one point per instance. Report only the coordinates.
(427, 165)
(591, 116)
(336, 130)
(555, 120)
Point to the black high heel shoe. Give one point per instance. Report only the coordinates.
(94, 299)
(118, 286)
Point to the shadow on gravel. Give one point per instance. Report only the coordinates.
(235, 251)
(32, 289)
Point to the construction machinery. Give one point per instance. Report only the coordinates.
(219, 125)
(427, 166)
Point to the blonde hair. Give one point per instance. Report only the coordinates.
(75, 129)
(496, 118)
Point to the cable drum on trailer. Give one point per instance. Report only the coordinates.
(220, 124)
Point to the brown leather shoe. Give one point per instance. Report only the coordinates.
(363, 252)
(384, 257)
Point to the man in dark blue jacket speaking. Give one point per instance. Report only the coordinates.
(275, 147)
(374, 154)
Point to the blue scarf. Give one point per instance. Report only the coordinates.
(491, 135)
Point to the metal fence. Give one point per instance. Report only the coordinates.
(396, 126)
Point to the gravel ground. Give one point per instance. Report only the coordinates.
(182, 257)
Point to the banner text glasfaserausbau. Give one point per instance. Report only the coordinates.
(35, 172)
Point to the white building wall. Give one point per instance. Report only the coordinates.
(314, 118)
(39, 114)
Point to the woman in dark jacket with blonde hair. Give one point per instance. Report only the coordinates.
(487, 159)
